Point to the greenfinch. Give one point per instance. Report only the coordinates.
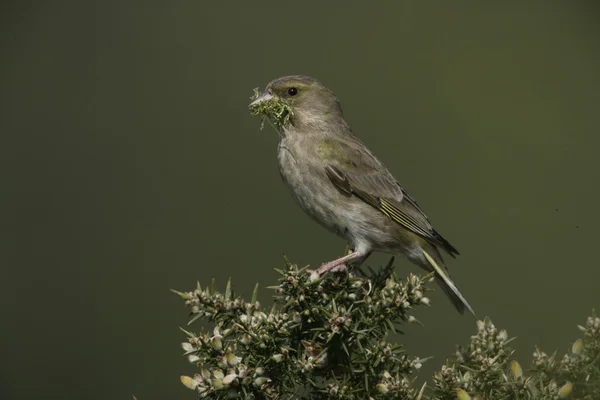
(340, 184)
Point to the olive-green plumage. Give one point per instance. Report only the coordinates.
(339, 183)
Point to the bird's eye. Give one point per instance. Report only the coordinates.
(292, 91)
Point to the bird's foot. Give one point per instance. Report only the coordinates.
(339, 268)
(338, 265)
(321, 270)
(332, 266)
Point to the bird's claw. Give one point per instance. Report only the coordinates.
(339, 268)
(327, 267)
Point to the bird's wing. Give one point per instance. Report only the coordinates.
(356, 172)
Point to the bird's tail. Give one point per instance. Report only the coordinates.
(443, 279)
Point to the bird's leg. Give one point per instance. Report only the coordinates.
(339, 264)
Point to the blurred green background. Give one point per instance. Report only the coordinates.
(130, 165)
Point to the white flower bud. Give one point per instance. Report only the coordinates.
(189, 382)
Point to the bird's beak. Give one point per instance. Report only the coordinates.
(265, 96)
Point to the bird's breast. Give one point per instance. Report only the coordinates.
(344, 215)
(302, 171)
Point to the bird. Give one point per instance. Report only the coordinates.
(341, 185)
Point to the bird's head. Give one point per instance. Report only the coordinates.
(306, 99)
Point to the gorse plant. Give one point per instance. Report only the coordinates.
(326, 337)
(485, 369)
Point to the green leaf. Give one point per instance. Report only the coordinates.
(183, 295)
(255, 294)
(188, 333)
(345, 348)
(390, 324)
(194, 318)
(228, 292)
